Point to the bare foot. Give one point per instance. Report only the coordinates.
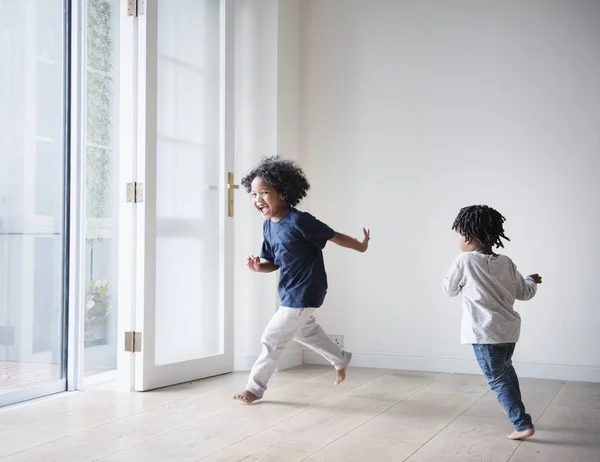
(341, 373)
(246, 397)
(521, 435)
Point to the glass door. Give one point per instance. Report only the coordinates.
(184, 246)
(33, 198)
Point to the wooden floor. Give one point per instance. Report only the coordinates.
(376, 415)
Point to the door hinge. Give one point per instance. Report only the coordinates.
(135, 7)
(134, 193)
(133, 342)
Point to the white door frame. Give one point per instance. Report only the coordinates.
(77, 191)
(128, 149)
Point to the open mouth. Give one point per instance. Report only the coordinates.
(265, 209)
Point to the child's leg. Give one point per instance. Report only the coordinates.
(280, 331)
(314, 337)
(496, 365)
(512, 374)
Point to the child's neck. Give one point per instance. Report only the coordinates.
(484, 250)
(281, 214)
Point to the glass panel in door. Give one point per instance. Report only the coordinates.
(32, 193)
(188, 209)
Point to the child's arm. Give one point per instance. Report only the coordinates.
(452, 281)
(526, 287)
(260, 265)
(264, 263)
(352, 243)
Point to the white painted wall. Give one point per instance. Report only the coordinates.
(411, 110)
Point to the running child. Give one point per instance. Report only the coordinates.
(293, 244)
(490, 284)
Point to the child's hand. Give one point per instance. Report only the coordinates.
(364, 244)
(536, 277)
(253, 263)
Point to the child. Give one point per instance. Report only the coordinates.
(490, 284)
(293, 243)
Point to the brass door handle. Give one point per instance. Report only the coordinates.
(231, 187)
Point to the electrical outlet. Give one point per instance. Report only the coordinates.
(338, 340)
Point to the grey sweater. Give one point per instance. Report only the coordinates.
(489, 284)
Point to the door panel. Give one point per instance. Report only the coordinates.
(184, 234)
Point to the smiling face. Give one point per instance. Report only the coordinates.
(266, 199)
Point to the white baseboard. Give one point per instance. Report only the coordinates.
(460, 365)
(292, 357)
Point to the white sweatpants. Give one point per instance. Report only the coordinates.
(289, 324)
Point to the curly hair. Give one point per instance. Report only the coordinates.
(285, 176)
(483, 223)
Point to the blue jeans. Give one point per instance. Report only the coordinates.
(496, 364)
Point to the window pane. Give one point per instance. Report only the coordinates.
(101, 156)
(31, 193)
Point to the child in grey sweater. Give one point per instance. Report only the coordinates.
(490, 284)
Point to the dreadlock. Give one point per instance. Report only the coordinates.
(483, 223)
(285, 176)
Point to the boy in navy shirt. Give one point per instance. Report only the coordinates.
(293, 244)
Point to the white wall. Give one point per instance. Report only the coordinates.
(411, 110)
(266, 94)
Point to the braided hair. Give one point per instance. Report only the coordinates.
(285, 176)
(483, 223)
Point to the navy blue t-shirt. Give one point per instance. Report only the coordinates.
(295, 244)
